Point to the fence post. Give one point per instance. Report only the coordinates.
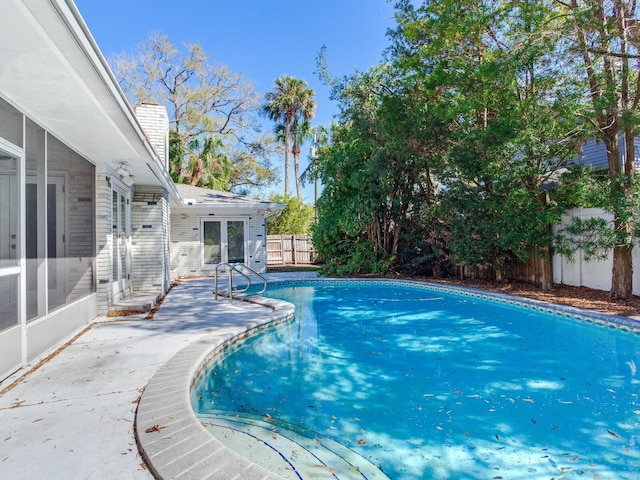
(293, 249)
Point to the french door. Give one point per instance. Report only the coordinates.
(223, 241)
(121, 244)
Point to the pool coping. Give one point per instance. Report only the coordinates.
(171, 439)
(173, 442)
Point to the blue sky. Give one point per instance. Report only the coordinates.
(261, 39)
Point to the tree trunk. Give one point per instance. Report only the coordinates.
(545, 258)
(296, 171)
(287, 161)
(545, 265)
(622, 273)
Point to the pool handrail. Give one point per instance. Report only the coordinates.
(234, 267)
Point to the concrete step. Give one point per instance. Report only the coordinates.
(136, 302)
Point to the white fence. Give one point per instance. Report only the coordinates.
(593, 274)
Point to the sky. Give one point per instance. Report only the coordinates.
(260, 39)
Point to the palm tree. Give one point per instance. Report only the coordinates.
(207, 165)
(300, 132)
(290, 104)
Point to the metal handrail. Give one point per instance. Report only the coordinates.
(235, 268)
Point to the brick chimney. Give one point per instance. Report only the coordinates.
(155, 122)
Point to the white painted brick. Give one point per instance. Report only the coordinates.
(186, 247)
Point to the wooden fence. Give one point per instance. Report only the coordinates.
(289, 250)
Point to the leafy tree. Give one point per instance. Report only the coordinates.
(376, 170)
(295, 219)
(291, 105)
(602, 46)
(213, 114)
(494, 71)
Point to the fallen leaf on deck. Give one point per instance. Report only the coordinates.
(155, 428)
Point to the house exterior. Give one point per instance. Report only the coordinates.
(86, 200)
(594, 153)
(214, 227)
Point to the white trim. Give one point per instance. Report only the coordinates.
(122, 284)
(8, 271)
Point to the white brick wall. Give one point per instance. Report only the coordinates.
(81, 227)
(155, 122)
(185, 240)
(104, 237)
(150, 239)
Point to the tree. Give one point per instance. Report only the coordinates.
(208, 106)
(378, 197)
(494, 70)
(295, 219)
(299, 134)
(603, 41)
(291, 104)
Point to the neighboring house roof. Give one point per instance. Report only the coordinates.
(204, 198)
(52, 69)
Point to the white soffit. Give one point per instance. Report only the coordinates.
(51, 69)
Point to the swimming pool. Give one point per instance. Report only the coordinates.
(425, 383)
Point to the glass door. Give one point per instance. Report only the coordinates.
(223, 241)
(121, 253)
(12, 284)
(235, 241)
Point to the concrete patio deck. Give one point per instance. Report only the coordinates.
(73, 416)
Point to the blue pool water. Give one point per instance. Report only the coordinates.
(433, 385)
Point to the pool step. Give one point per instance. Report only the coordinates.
(290, 451)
